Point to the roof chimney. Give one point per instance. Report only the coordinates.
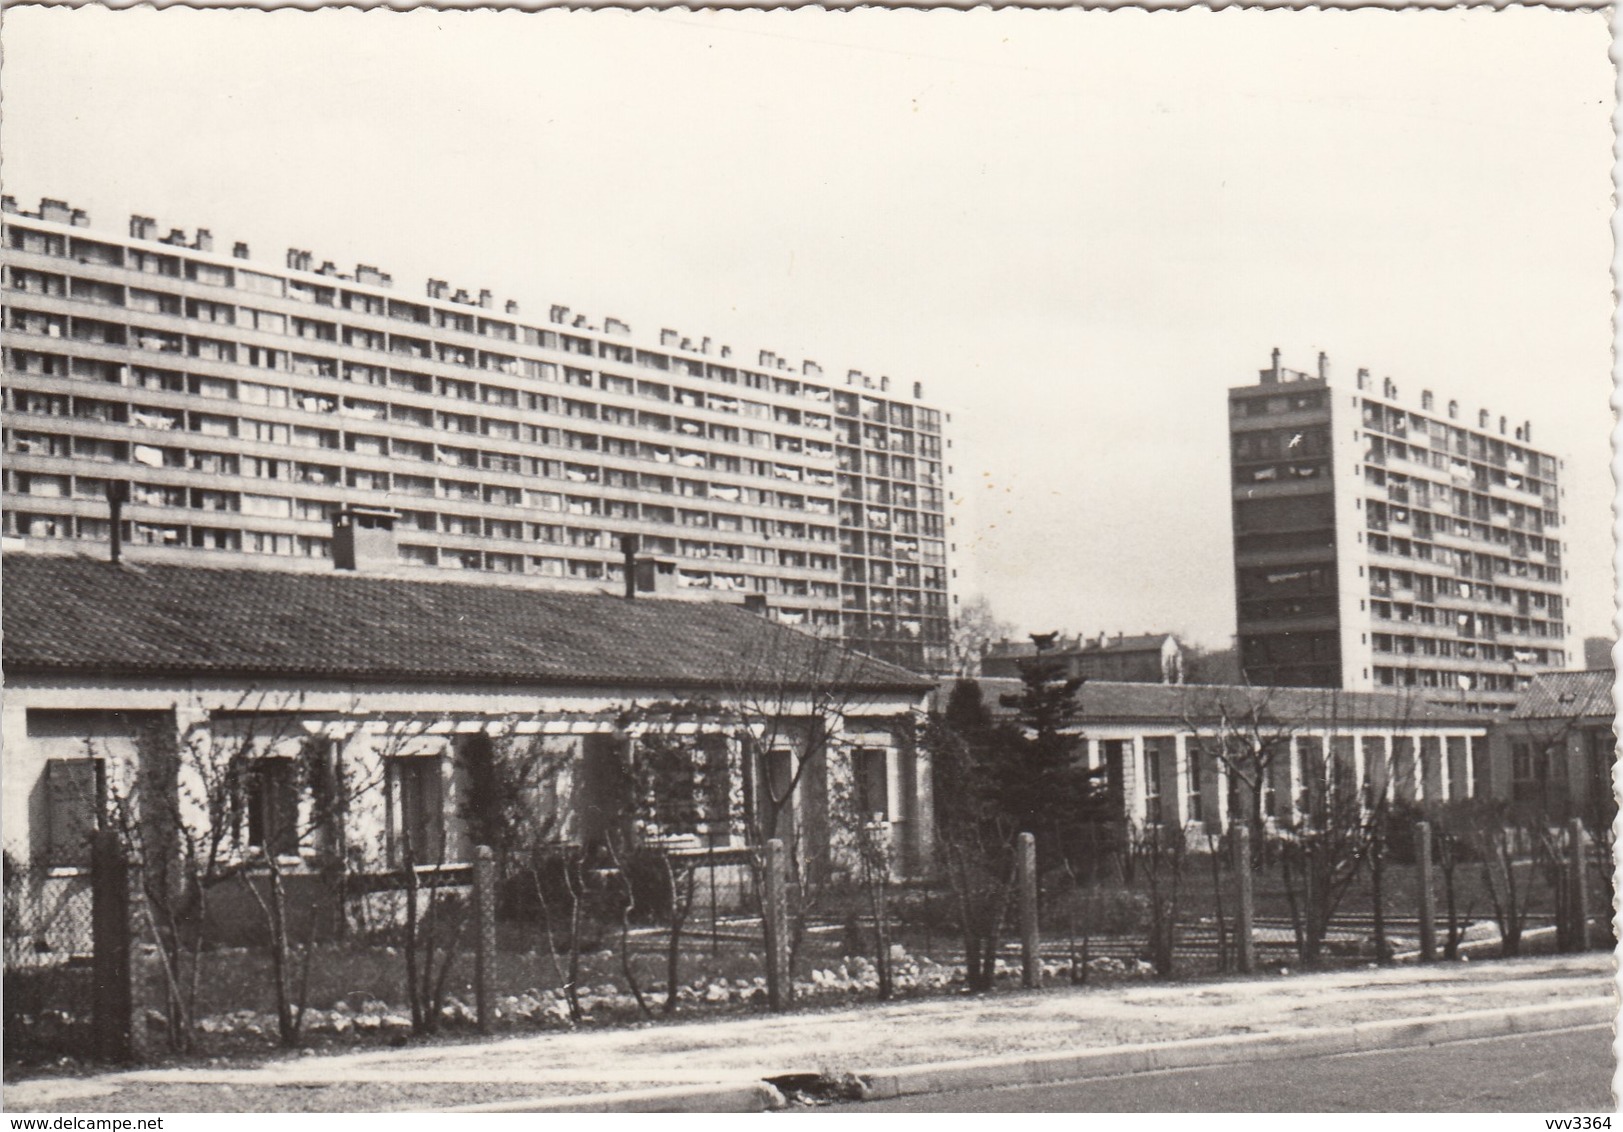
(363, 538)
(204, 240)
(629, 545)
(756, 603)
(239, 250)
(1324, 366)
(118, 494)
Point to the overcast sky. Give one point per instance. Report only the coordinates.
(1076, 228)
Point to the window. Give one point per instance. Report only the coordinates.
(270, 803)
(416, 811)
(871, 783)
(75, 792)
(1196, 807)
(1155, 754)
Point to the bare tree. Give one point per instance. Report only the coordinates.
(1162, 856)
(498, 771)
(1245, 732)
(242, 794)
(974, 839)
(678, 790)
(975, 626)
(1322, 851)
(791, 695)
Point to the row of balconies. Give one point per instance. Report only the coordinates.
(773, 384)
(383, 321)
(413, 431)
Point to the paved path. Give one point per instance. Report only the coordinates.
(852, 1039)
(1565, 1071)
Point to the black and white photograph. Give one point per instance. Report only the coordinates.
(661, 560)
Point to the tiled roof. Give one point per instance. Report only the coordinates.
(1568, 695)
(1105, 701)
(87, 616)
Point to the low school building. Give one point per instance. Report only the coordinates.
(1165, 752)
(151, 681)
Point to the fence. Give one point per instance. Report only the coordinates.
(92, 964)
(49, 951)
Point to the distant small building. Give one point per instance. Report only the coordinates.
(1555, 753)
(1151, 658)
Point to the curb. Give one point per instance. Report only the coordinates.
(755, 1097)
(989, 1072)
(1042, 1069)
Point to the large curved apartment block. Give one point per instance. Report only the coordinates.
(247, 408)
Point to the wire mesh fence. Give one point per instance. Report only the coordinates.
(371, 958)
(49, 948)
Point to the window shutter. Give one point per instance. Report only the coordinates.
(75, 792)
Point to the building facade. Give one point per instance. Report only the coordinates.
(1555, 756)
(1158, 748)
(194, 695)
(244, 404)
(1383, 542)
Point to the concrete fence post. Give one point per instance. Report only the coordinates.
(775, 914)
(1031, 964)
(117, 1017)
(1578, 891)
(484, 953)
(1245, 937)
(1428, 899)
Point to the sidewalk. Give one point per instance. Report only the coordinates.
(865, 1039)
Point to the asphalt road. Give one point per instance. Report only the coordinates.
(1566, 1072)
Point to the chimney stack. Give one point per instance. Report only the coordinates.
(204, 240)
(364, 538)
(118, 494)
(1324, 366)
(239, 250)
(629, 545)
